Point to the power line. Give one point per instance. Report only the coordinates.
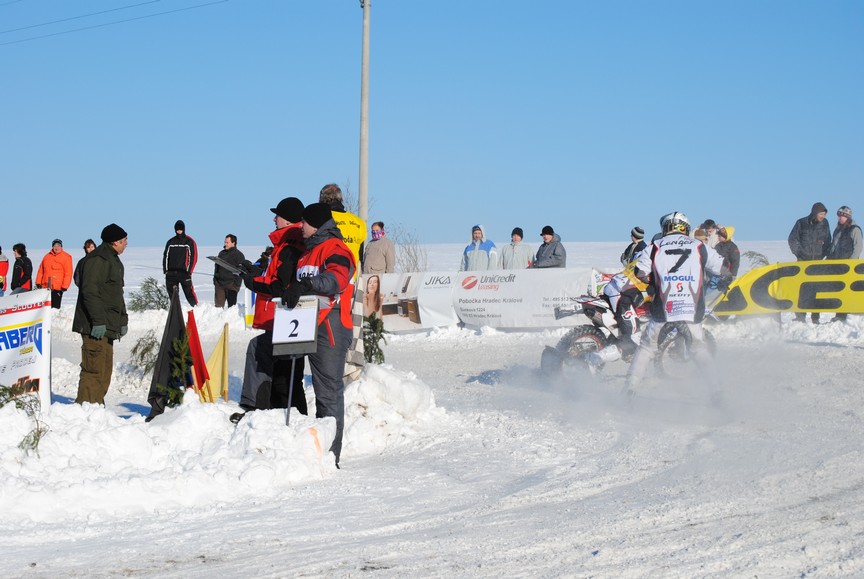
(77, 17)
(203, 5)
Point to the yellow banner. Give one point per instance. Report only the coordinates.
(835, 285)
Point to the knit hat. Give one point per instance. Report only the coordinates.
(289, 209)
(818, 208)
(60, 243)
(180, 226)
(517, 231)
(547, 230)
(113, 233)
(708, 224)
(317, 214)
(637, 233)
(847, 211)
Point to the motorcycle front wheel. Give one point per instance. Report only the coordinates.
(674, 349)
(581, 340)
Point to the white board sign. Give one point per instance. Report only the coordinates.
(295, 330)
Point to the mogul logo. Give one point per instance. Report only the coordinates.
(678, 278)
(21, 335)
(469, 282)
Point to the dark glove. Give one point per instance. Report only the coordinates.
(123, 330)
(98, 332)
(38, 286)
(292, 294)
(247, 272)
(723, 284)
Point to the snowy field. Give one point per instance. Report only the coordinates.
(460, 460)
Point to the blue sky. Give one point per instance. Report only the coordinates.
(588, 116)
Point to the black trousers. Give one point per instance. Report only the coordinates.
(184, 280)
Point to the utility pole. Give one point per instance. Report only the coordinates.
(363, 193)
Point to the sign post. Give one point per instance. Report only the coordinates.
(295, 333)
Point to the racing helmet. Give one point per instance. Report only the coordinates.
(664, 219)
(676, 222)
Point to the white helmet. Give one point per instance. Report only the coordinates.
(675, 222)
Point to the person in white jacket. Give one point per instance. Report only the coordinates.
(516, 255)
(481, 254)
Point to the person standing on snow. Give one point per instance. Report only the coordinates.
(55, 273)
(325, 270)
(22, 270)
(637, 244)
(266, 379)
(379, 254)
(4, 272)
(516, 255)
(226, 283)
(675, 267)
(100, 314)
(480, 254)
(810, 240)
(551, 252)
(89, 246)
(846, 244)
(178, 263)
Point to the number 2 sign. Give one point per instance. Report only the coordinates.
(295, 331)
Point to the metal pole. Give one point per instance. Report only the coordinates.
(290, 391)
(363, 193)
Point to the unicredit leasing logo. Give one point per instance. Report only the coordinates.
(469, 282)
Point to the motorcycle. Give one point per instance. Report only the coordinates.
(573, 349)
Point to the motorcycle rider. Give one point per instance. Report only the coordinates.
(675, 268)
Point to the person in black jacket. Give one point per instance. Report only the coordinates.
(809, 240)
(846, 244)
(228, 284)
(89, 246)
(178, 263)
(637, 244)
(22, 270)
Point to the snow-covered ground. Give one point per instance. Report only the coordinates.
(460, 460)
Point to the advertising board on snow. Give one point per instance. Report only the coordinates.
(25, 343)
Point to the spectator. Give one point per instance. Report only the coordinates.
(326, 269)
(55, 273)
(100, 314)
(353, 228)
(4, 272)
(637, 244)
(480, 254)
(266, 379)
(178, 263)
(810, 240)
(516, 255)
(709, 226)
(551, 253)
(22, 270)
(846, 243)
(372, 301)
(227, 284)
(690, 260)
(728, 250)
(89, 246)
(379, 255)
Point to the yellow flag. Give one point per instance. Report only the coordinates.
(217, 366)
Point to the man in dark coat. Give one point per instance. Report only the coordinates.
(637, 244)
(846, 243)
(810, 239)
(227, 284)
(178, 262)
(100, 314)
(551, 252)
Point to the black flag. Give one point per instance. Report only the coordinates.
(164, 379)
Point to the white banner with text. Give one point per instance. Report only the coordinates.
(25, 343)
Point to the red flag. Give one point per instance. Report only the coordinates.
(198, 361)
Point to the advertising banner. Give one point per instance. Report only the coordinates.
(798, 286)
(25, 343)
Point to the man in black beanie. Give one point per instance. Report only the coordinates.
(810, 240)
(516, 255)
(326, 269)
(637, 244)
(100, 314)
(178, 263)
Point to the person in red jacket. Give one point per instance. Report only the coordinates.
(55, 273)
(326, 269)
(4, 272)
(266, 379)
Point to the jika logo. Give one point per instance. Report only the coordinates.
(678, 278)
(469, 282)
(438, 280)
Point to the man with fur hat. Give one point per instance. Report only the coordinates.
(809, 240)
(55, 273)
(178, 263)
(100, 314)
(326, 269)
(516, 255)
(637, 244)
(846, 244)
